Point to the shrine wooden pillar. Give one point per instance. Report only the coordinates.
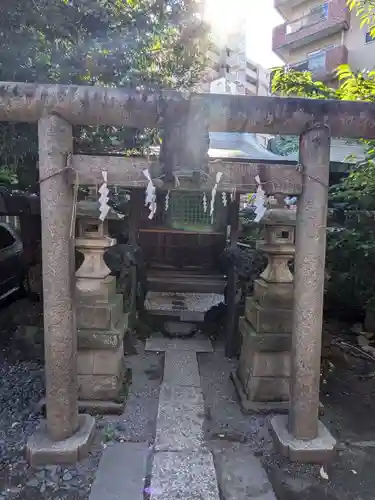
(301, 436)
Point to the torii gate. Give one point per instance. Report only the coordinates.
(65, 436)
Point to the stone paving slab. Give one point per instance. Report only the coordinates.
(186, 475)
(239, 473)
(180, 418)
(121, 473)
(160, 344)
(181, 368)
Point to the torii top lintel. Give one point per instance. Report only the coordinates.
(84, 105)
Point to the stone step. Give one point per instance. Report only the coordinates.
(179, 282)
(184, 475)
(161, 344)
(240, 475)
(180, 418)
(181, 369)
(121, 474)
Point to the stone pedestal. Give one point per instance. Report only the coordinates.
(101, 324)
(262, 377)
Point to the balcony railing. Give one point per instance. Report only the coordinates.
(323, 64)
(327, 19)
(316, 16)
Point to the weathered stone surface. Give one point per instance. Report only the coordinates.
(250, 406)
(252, 340)
(41, 450)
(121, 473)
(273, 295)
(179, 329)
(268, 388)
(319, 450)
(240, 475)
(56, 197)
(21, 102)
(188, 475)
(103, 339)
(309, 282)
(101, 315)
(180, 418)
(100, 387)
(270, 364)
(100, 362)
(181, 368)
(267, 320)
(92, 291)
(162, 344)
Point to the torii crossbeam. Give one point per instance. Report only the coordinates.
(57, 107)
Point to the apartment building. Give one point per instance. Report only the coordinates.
(230, 70)
(318, 36)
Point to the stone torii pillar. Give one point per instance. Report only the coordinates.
(302, 436)
(64, 437)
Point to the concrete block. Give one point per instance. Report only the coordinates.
(100, 315)
(92, 291)
(240, 474)
(268, 320)
(249, 406)
(275, 295)
(319, 450)
(100, 387)
(270, 364)
(267, 388)
(95, 339)
(108, 362)
(254, 341)
(121, 472)
(85, 362)
(41, 450)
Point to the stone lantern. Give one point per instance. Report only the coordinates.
(262, 377)
(101, 323)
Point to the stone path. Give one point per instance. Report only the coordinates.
(183, 466)
(180, 462)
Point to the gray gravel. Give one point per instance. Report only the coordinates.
(21, 387)
(138, 422)
(224, 419)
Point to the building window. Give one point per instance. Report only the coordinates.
(316, 60)
(369, 38)
(251, 80)
(228, 52)
(227, 68)
(251, 66)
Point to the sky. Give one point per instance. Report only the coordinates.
(257, 17)
(261, 18)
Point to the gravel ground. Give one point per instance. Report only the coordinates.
(138, 422)
(348, 397)
(22, 386)
(224, 419)
(349, 402)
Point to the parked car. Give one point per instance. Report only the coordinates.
(13, 272)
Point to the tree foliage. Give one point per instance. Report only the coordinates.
(154, 43)
(351, 241)
(365, 10)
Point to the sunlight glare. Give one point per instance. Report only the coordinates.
(224, 17)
